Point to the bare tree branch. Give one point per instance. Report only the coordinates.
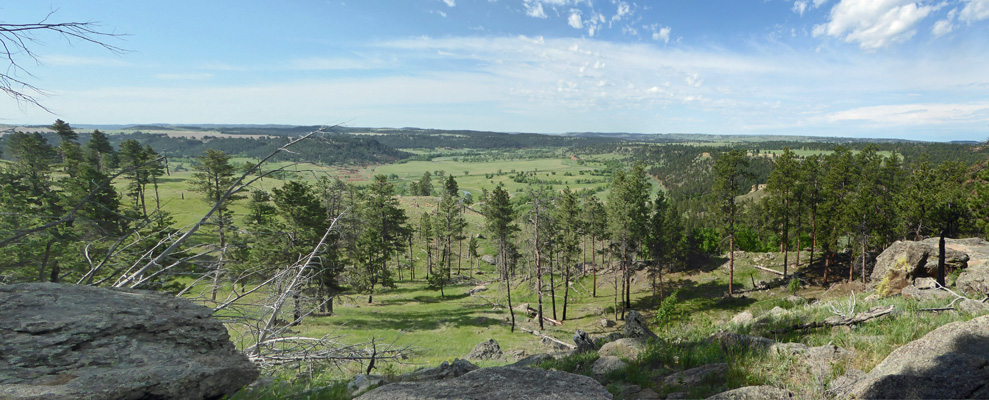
(17, 40)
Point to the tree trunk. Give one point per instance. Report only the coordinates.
(566, 288)
(552, 285)
(940, 259)
(731, 262)
(594, 269)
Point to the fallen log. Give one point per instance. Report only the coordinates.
(552, 339)
(859, 318)
(768, 270)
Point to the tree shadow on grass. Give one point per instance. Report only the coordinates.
(703, 297)
(421, 320)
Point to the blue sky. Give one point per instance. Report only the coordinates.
(854, 68)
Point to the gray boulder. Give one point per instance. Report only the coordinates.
(79, 342)
(754, 393)
(949, 362)
(694, 376)
(975, 278)
(488, 259)
(904, 261)
(583, 342)
(361, 383)
(627, 348)
(736, 340)
(635, 326)
(603, 365)
(444, 371)
(503, 383)
(486, 350)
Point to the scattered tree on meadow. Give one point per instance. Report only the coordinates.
(499, 217)
(730, 169)
(214, 175)
(628, 203)
(781, 184)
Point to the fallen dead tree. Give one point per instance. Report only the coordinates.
(549, 338)
(839, 320)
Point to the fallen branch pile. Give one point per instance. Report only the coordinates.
(837, 320)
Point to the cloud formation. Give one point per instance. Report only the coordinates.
(874, 24)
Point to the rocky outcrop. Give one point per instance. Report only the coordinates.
(486, 350)
(605, 365)
(503, 383)
(974, 279)
(78, 342)
(444, 371)
(635, 326)
(627, 348)
(583, 342)
(904, 261)
(754, 393)
(694, 376)
(950, 362)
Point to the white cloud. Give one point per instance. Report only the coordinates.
(942, 27)
(534, 9)
(974, 11)
(662, 34)
(329, 64)
(575, 20)
(450, 3)
(694, 80)
(184, 77)
(800, 6)
(73, 61)
(915, 114)
(623, 10)
(874, 24)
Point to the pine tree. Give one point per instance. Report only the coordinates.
(213, 177)
(780, 185)
(730, 168)
(499, 216)
(628, 203)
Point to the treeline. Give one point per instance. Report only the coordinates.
(328, 148)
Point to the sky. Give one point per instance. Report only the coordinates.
(850, 68)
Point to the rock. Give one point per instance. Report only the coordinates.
(362, 383)
(627, 348)
(444, 371)
(743, 318)
(974, 280)
(754, 393)
(64, 341)
(476, 290)
(796, 300)
(633, 392)
(607, 323)
(603, 365)
(635, 326)
(611, 337)
(553, 344)
(737, 340)
(947, 363)
(925, 283)
(486, 350)
(503, 383)
(916, 293)
(488, 259)
(533, 360)
(584, 342)
(904, 261)
(694, 376)
(970, 306)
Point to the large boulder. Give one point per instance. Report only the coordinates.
(635, 326)
(503, 383)
(975, 278)
(949, 362)
(61, 341)
(904, 261)
(486, 350)
(754, 393)
(627, 348)
(694, 376)
(445, 370)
